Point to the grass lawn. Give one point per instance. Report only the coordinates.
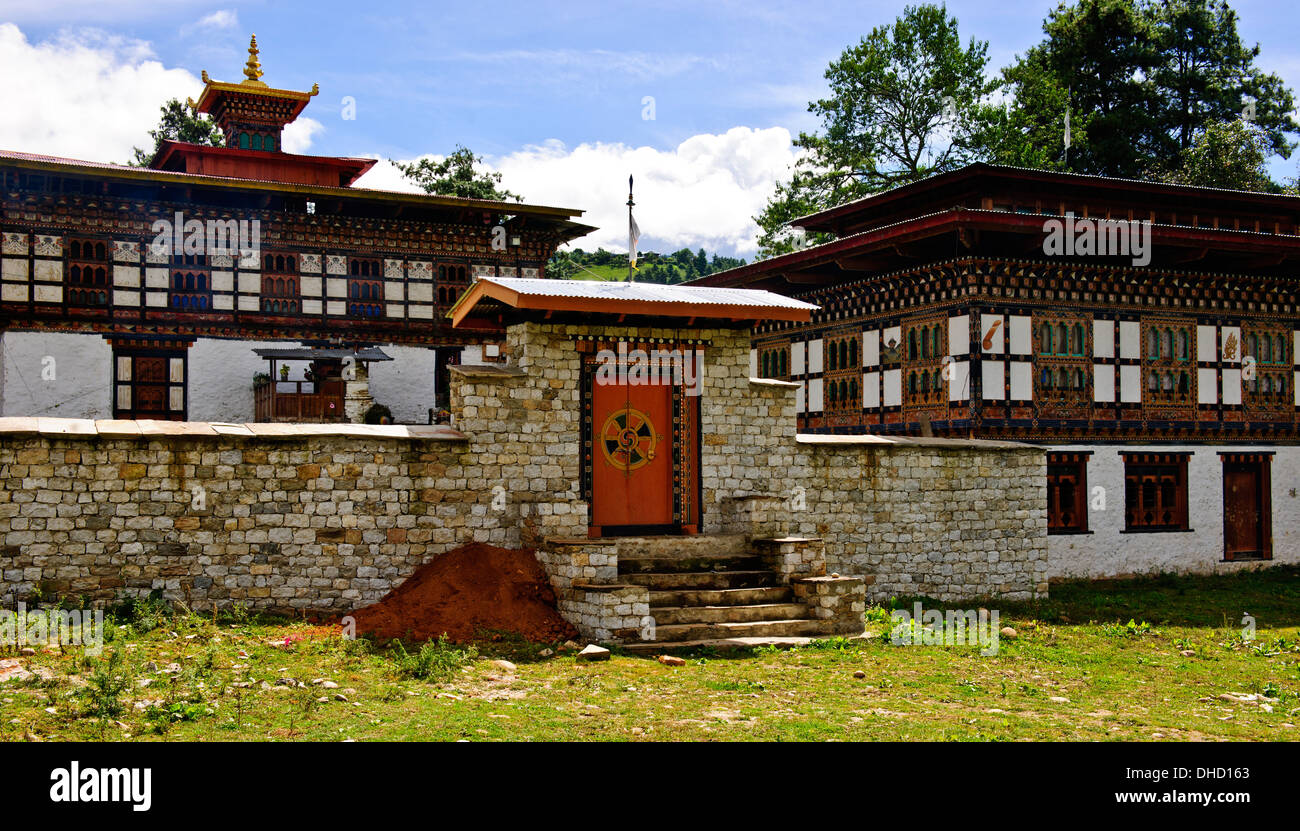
(1075, 671)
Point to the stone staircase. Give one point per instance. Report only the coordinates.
(651, 592)
(713, 588)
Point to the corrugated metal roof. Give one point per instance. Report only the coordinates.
(308, 353)
(648, 293)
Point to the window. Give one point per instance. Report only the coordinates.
(1067, 493)
(88, 273)
(365, 296)
(1247, 506)
(1170, 380)
(452, 280)
(191, 283)
(1155, 492)
(149, 381)
(280, 286)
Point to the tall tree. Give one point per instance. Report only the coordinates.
(178, 123)
(1144, 78)
(1208, 75)
(1096, 60)
(906, 102)
(1230, 154)
(457, 175)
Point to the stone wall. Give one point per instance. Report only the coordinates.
(333, 516)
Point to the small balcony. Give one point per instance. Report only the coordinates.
(299, 401)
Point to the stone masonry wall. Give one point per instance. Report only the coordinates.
(332, 517)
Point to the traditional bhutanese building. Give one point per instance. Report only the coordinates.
(134, 292)
(1147, 332)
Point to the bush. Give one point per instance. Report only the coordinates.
(435, 661)
(143, 614)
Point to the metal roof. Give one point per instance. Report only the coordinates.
(619, 298)
(310, 354)
(648, 292)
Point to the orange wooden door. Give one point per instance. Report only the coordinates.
(632, 455)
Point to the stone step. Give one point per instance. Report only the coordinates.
(687, 546)
(674, 615)
(752, 629)
(703, 563)
(720, 597)
(710, 580)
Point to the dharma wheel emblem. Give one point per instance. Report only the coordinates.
(628, 439)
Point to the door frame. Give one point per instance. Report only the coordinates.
(688, 489)
(1260, 464)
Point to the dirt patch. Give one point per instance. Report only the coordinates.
(468, 589)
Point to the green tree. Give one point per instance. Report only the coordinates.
(1142, 80)
(456, 175)
(1229, 154)
(1208, 75)
(907, 101)
(1097, 59)
(179, 123)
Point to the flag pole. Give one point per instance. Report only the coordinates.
(631, 242)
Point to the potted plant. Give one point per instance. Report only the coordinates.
(261, 379)
(284, 372)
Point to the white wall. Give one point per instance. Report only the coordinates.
(221, 377)
(405, 384)
(1107, 551)
(75, 385)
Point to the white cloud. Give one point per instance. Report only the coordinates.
(221, 19)
(298, 136)
(701, 193)
(86, 94)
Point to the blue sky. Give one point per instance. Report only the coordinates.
(531, 84)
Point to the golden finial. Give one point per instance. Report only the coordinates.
(253, 69)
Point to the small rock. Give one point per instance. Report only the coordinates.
(546, 653)
(1008, 632)
(52, 711)
(1188, 653)
(144, 682)
(340, 697)
(173, 669)
(1058, 699)
(329, 685)
(671, 661)
(859, 674)
(591, 652)
(504, 666)
(322, 700)
(12, 669)
(27, 652)
(569, 646)
(287, 682)
(835, 575)
(150, 667)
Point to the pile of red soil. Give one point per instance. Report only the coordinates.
(466, 590)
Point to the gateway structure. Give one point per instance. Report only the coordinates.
(1148, 333)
